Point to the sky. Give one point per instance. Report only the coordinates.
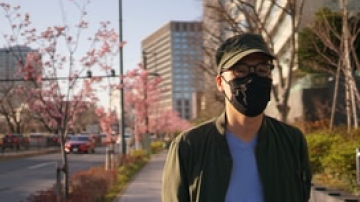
(140, 18)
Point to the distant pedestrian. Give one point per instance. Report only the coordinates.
(242, 155)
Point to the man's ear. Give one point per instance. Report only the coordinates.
(219, 83)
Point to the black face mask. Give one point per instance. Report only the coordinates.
(250, 94)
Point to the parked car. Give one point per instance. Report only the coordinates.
(37, 140)
(53, 140)
(68, 136)
(15, 141)
(96, 137)
(2, 142)
(106, 139)
(80, 144)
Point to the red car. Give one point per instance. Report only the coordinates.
(15, 141)
(80, 144)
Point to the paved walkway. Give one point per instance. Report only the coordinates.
(146, 187)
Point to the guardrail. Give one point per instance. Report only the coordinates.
(323, 194)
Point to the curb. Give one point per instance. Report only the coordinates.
(323, 194)
(118, 196)
(4, 157)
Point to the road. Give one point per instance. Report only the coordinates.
(20, 178)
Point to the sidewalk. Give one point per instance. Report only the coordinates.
(146, 187)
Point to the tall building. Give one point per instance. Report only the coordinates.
(175, 52)
(10, 59)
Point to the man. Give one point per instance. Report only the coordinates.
(243, 155)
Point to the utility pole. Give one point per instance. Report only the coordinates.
(147, 139)
(122, 112)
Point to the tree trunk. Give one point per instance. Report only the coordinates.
(350, 97)
(353, 107)
(65, 166)
(334, 101)
(347, 101)
(288, 79)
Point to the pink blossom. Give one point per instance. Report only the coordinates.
(59, 30)
(83, 24)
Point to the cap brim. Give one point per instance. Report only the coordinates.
(233, 60)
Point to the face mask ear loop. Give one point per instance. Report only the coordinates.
(230, 100)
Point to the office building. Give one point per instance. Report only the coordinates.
(11, 61)
(175, 52)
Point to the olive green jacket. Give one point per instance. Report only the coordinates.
(199, 163)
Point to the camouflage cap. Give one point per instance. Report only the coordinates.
(239, 46)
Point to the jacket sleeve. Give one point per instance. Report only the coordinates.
(306, 169)
(175, 187)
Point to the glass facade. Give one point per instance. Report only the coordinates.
(180, 55)
(9, 58)
(186, 54)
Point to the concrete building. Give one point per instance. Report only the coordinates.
(9, 61)
(302, 99)
(278, 25)
(175, 53)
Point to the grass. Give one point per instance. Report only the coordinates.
(125, 175)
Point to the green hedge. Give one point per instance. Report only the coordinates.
(319, 145)
(341, 162)
(157, 147)
(332, 158)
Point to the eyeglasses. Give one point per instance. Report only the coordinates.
(241, 70)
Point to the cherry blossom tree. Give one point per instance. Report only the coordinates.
(141, 97)
(169, 124)
(107, 120)
(54, 89)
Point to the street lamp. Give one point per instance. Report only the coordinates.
(145, 96)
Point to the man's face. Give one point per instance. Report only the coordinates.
(257, 63)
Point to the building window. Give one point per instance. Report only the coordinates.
(177, 34)
(178, 104)
(187, 103)
(187, 116)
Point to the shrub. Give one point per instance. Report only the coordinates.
(157, 147)
(138, 155)
(319, 146)
(332, 158)
(92, 184)
(97, 184)
(340, 162)
(85, 186)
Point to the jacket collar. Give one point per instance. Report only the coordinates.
(221, 123)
